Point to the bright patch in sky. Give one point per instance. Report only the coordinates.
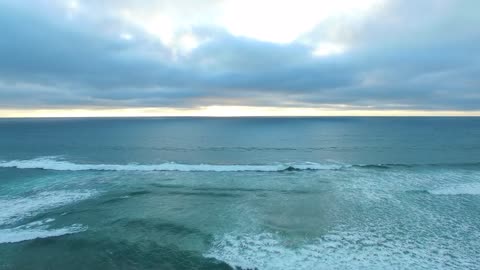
(72, 5)
(285, 21)
(126, 36)
(188, 42)
(160, 26)
(266, 20)
(326, 49)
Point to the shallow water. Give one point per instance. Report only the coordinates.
(294, 193)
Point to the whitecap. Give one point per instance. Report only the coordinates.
(51, 163)
(17, 208)
(35, 230)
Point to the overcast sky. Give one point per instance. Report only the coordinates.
(342, 54)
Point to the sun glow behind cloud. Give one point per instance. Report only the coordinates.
(273, 21)
(285, 21)
(159, 26)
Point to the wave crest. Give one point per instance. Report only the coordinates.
(18, 208)
(49, 163)
(36, 230)
(54, 163)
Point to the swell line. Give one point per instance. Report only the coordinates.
(53, 163)
(48, 163)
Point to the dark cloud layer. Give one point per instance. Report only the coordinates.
(407, 55)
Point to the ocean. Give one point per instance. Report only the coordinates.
(240, 193)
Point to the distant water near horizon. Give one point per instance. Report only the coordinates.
(240, 193)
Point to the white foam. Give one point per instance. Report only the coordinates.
(458, 189)
(14, 209)
(49, 163)
(338, 250)
(35, 230)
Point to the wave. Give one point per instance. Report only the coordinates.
(50, 163)
(54, 163)
(17, 208)
(36, 230)
(415, 165)
(375, 166)
(458, 189)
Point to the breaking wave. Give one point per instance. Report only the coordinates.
(49, 163)
(36, 230)
(54, 163)
(17, 208)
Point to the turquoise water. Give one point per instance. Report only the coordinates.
(264, 193)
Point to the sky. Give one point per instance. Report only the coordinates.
(239, 57)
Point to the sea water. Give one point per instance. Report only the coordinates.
(240, 193)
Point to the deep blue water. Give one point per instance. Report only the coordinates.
(220, 193)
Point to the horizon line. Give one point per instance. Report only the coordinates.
(222, 111)
(240, 116)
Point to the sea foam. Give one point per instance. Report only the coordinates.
(35, 230)
(336, 250)
(17, 208)
(51, 163)
(458, 189)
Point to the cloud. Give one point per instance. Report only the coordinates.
(398, 55)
